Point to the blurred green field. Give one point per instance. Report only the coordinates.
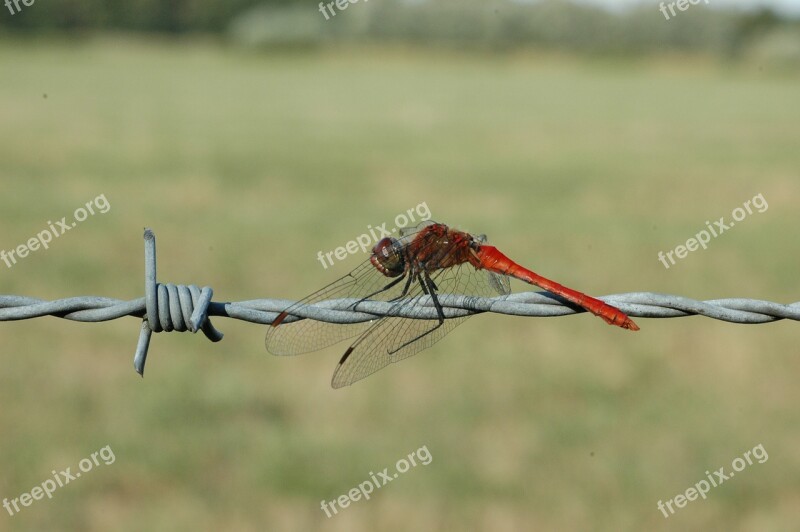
(245, 165)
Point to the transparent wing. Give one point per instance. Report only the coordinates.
(306, 335)
(369, 356)
(499, 283)
(392, 339)
(310, 335)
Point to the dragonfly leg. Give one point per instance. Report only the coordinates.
(429, 287)
(385, 288)
(432, 292)
(405, 289)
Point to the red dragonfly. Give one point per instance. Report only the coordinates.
(430, 260)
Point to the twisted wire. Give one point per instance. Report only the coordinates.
(188, 308)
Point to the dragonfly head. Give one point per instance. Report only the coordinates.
(387, 257)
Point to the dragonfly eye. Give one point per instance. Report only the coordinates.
(387, 257)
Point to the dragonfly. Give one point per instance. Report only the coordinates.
(412, 271)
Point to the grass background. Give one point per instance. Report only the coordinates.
(246, 165)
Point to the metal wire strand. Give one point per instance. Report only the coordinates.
(168, 307)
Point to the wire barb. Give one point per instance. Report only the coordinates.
(170, 307)
(182, 308)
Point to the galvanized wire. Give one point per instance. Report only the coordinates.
(168, 307)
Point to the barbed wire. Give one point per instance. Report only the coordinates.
(182, 308)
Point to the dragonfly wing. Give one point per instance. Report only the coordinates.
(388, 341)
(464, 279)
(308, 335)
(498, 283)
(393, 339)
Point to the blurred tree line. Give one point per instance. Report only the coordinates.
(485, 24)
